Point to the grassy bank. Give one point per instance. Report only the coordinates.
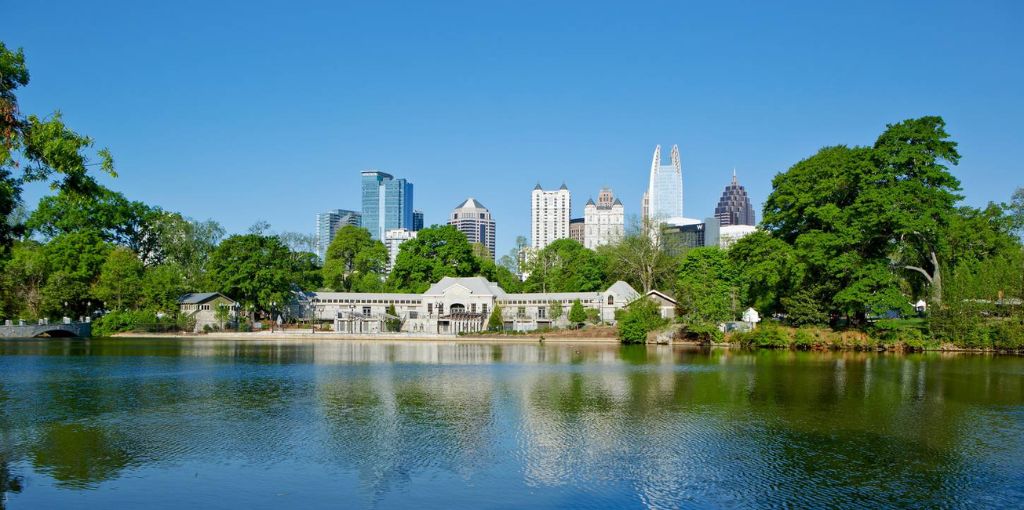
(906, 335)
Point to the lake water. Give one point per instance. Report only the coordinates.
(143, 423)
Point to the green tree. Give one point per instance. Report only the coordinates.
(393, 322)
(555, 310)
(639, 318)
(23, 279)
(255, 270)
(436, 252)
(767, 269)
(495, 322)
(161, 287)
(120, 280)
(351, 256)
(804, 308)
(118, 220)
(641, 258)
(506, 279)
(1016, 210)
(43, 149)
(577, 314)
(706, 287)
(565, 266)
(188, 245)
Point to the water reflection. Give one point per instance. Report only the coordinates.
(394, 424)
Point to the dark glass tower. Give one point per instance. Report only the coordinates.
(734, 207)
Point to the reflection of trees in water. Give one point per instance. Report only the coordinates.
(390, 425)
(764, 427)
(9, 483)
(80, 456)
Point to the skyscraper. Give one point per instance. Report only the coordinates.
(578, 230)
(387, 203)
(474, 220)
(665, 188)
(734, 207)
(550, 215)
(417, 220)
(393, 239)
(328, 223)
(605, 221)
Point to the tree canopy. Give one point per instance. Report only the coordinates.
(434, 253)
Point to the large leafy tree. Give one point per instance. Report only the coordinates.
(131, 224)
(354, 261)
(23, 279)
(436, 252)
(767, 270)
(706, 287)
(641, 258)
(188, 245)
(858, 218)
(256, 270)
(565, 266)
(120, 280)
(37, 149)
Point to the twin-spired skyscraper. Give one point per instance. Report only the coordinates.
(664, 197)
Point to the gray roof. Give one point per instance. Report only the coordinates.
(195, 298)
(538, 187)
(563, 186)
(471, 202)
(623, 289)
(475, 284)
(590, 201)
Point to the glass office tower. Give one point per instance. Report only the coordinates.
(387, 203)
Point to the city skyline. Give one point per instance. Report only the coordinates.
(742, 91)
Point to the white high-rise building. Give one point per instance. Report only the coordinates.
(605, 221)
(665, 188)
(393, 240)
(475, 221)
(551, 211)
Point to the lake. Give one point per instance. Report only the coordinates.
(195, 423)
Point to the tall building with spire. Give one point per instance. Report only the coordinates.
(550, 215)
(734, 208)
(475, 221)
(605, 221)
(665, 188)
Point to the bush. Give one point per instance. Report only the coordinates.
(704, 332)
(122, 321)
(1006, 334)
(804, 338)
(765, 336)
(641, 317)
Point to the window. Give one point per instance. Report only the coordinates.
(366, 310)
(472, 307)
(414, 315)
(430, 308)
(440, 308)
(611, 299)
(483, 308)
(541, 312)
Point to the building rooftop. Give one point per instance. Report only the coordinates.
(470, 203)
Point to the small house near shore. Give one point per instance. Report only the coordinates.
(202, 308)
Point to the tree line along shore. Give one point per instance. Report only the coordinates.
(850, 237)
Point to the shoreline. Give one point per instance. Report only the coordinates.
(276, 336)
(516, 339)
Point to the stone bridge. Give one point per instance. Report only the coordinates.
(73, 329)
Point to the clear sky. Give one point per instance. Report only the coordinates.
(249, 111)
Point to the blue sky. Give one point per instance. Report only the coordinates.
(247, 111)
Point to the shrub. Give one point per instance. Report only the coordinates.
(122, 321)
(804, 338)
(1006, 334)
(704, 332)
(767, 336)
(641, 316)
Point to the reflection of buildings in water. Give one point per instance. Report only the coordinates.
(387, 421)
(376, 351)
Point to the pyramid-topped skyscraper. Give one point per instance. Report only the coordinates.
(734, 208)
